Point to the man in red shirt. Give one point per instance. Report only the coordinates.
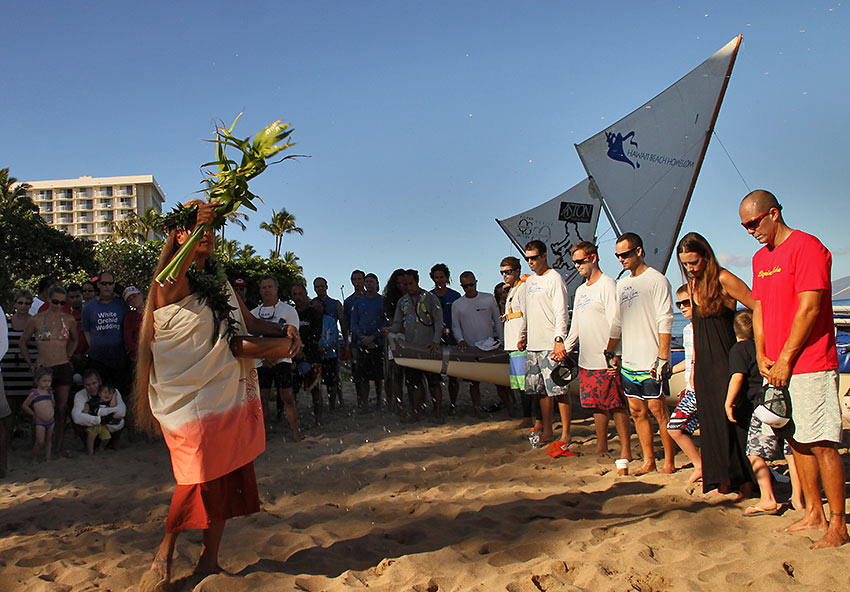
(795, 345)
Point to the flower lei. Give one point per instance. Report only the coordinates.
(210, 287)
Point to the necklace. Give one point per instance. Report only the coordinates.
(210, 287)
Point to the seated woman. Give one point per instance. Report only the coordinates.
(56, 337)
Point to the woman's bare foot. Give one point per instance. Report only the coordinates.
(797, 503)
(546, 437)
(647, 467)
(156, 578)
(695, 476)
(668, 469)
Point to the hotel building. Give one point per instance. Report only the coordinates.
(87, 207)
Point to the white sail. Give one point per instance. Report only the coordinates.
(645, 166)
(560, 223)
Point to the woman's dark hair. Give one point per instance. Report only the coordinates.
(392, 294)
(707, 289)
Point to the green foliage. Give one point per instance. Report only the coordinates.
(252, 268)
(131, 263)
(281, 223)
(31, 249)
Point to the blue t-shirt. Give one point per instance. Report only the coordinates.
(331, 308)
(367, 318)
(446, 304)
(329, 337)
(347, 304)
(103, 322)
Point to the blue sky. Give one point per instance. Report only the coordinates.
(424, 121)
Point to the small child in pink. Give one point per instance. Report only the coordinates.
(39, 404)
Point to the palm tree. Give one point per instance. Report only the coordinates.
(291, 259)
(226, 248)
(126, 229)
(247, 252)
(12, 192)
(235, 218)
(281, 223)
(146, 223)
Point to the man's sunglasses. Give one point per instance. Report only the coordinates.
(508, 271)
(626, 254)
(578, 262)
(58, 302)
(533, 257)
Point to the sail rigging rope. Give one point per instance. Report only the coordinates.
(732, 161)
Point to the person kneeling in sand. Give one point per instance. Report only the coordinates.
(86, 415)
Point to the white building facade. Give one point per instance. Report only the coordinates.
(86, 207)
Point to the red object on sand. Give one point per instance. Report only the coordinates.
(558, 448)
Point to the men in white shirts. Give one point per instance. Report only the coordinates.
(595, 306)
(512, 329)
(475, 317)
(643, 324)
(273, 370)
(545, 317)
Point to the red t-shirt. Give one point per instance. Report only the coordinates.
(800, 264)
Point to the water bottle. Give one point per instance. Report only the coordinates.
(534, 439)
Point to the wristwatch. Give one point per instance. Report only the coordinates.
(559, 339)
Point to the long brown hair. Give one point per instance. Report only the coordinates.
(707, 289)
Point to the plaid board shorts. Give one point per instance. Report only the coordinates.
(517, 370)
(684, 417)
(538, 375)
(600, 390)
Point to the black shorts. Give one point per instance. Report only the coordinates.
(370, 365)
(279, 374)
(330, 371)
(413, 377)
(63, 374)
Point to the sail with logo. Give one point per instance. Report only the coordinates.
(561, 222)
(644, 167)
(641, 170)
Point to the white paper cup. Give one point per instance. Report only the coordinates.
(622, 463)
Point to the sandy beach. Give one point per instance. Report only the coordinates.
(366, 502)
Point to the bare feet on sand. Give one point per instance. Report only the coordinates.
(669, 469)
(806, 523)
(647, 467)
(832, 538)
(525, 423)
(695, 476)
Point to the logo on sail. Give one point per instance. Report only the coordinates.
(575, 212)
(616, 150)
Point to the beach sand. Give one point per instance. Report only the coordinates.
(366, 502)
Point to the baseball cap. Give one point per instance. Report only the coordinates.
(240, 283)
(130, 291)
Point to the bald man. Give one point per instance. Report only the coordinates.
(795, 345)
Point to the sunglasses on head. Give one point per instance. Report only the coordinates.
(683, 303)
(578, 262)
(626, 254)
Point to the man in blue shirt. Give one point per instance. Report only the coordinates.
(103, 325)
(442, 277)
(367, 322)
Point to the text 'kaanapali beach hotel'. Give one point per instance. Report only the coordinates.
(86, 207)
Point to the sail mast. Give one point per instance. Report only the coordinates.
(703, 153)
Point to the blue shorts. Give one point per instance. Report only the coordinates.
(645, 389)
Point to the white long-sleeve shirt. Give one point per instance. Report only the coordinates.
(545, 310)
(476, 319)
(514, 327)
(594, 309)
(80, 417)
(645, 311)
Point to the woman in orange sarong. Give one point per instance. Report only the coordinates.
(197, 383)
